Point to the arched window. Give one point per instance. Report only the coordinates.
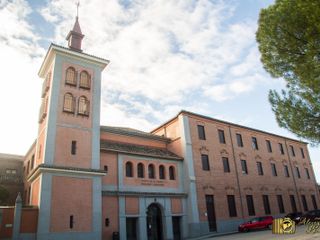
(161, 172)
(171, 173)
(151, 171)
(129, 169)
(140, 171)
(71, 76)
(84, 80)
(83, 106)
(68, 103)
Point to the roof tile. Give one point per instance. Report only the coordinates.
(138, 150)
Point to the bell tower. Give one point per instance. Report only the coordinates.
(66, 184)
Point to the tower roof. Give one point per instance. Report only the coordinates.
(75, 37)
(76, 27)
(56, 49)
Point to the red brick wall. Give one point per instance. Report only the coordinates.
(221, 184)
(69, 195)
(110, 210)
(110, 160)
(29, 220)
(176, 205)
(132, 205)
(146, 181)
(35, 192)
(7, 218)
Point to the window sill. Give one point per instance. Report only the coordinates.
(68, 111)
(84, 114)
(71, 84)
(85, 88)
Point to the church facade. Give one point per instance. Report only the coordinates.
(190, 176)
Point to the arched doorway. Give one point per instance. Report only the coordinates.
(154, 222)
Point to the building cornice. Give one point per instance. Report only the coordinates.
(72, 53)
(144, 194)
(11, 157)
(45, 168)
(187, 113)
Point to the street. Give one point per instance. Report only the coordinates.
(300, 234)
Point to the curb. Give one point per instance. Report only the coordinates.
(211, 235)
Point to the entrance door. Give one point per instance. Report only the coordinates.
(176, 228)
(154, 222)
(131, 226)
(211, 213)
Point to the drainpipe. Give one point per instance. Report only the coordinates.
(237, 174)
(293, 175)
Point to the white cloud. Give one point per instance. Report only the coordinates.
(241, 77)
(159, 49)
(219, 93)
(15, 31)
(48, 15)
(161, 52)
(250, 62)
(117, 115)
(316, 167)
(232, 89)
(20, 86)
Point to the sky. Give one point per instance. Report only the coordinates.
(165, 55)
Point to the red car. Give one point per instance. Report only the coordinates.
(256, 223)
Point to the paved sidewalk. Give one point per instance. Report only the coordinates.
(213, 235)
(300, 234)
(267, 235)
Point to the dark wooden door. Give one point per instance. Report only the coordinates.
(211, 213)
(154, 222)
(131, 225)
(176, 228)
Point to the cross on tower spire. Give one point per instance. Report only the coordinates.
(75, 36)
(78, 4)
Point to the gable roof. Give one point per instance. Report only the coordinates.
(138, 150)
(133, 132)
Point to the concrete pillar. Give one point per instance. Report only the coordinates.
(122, 218)
(168, 231)
(142, 228)
(142, 223)
(168, 227)
(192, 210)
(184, 220)
(17, 218)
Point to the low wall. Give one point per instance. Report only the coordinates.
(6, 222)
(28, 222)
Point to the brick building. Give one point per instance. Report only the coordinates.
(11, 176)
(236, 172)
(188, 177)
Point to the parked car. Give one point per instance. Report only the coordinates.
(256, 223)
(294, 216)
(312, 216)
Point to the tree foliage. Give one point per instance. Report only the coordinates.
(289, 42)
